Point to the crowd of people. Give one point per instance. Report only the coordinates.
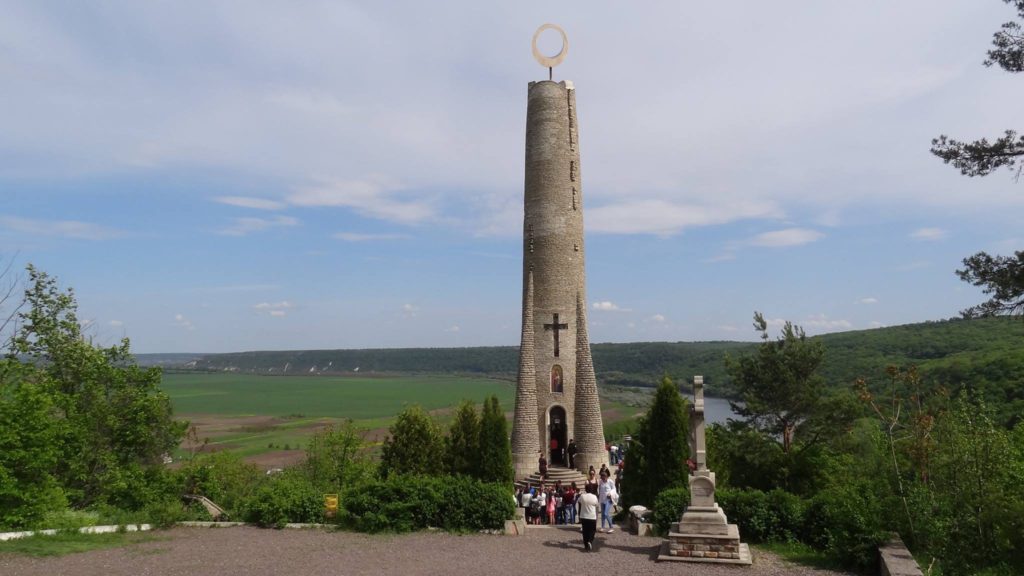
(594, 502)
(556, 504)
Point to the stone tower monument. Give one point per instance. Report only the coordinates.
(556, 390)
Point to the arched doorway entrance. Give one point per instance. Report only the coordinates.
(557, 435)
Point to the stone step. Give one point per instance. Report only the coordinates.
(555, 474)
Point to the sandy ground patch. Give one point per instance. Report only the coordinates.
(249, 551)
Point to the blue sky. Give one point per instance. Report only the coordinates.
(221, 176)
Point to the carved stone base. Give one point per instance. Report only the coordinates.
(702, 520)
(717, 548)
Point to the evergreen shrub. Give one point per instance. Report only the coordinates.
(285, 498)
(846, 523)
(775, 516)
(668, 507)
(408, 503)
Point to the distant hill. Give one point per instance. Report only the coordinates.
(175, 360)
(987, 354)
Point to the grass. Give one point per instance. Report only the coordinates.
(799, 553)
(295, 406)
(301, 404)
(64, 543)
(359, 398)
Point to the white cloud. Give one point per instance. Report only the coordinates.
(822, 322)
(410, 310)
(282, 305)
(275, 309)
(785, 238)
(359, 237)
(182, 322)
(116, 323)
(727, 328)
(452, 329)
(928, 234)
(246, 226)
(607, 306)
(248, 202)
(665, 218)
(59, 228)
(876, 324)
(657, 318)
(377, 198)
(868, 300)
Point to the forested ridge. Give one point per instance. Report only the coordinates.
(985, 353)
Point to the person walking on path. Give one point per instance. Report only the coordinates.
(588, 517)
(605, 488)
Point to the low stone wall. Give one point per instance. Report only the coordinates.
(896, 560)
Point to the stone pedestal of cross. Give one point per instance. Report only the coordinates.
(703, 534)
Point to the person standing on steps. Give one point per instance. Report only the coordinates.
(542, 463)
(587, 503)
(570, 450)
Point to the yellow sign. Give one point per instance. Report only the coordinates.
(331, 504)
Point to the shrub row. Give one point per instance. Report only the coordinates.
(844, 522)
(407, 503)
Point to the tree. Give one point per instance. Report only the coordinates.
(28, 447)
(335, 457)
(414, 445)
(656, 460)
(462, 446)
(779, 384)
(495, 449)
(116, 425)
(981, 157)
(1002, 277)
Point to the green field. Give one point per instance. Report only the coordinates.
(228, 394)
(270, 418)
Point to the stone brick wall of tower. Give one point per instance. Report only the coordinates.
(553, 235)
(589, 424)
(524, 430)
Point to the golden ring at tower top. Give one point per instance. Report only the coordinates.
(550, 61)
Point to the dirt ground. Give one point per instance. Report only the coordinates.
(246, 551)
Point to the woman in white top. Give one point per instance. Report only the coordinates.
(605, 488)
(587, 504)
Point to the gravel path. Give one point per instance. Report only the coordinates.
(246, 551)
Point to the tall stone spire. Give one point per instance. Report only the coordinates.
(547, 416)
(589, 427)
(525, 443)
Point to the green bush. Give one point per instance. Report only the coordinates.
(668, 508)
(775, 516)
(285, 498)
(846, 522)
(222, 477)
(407, 503)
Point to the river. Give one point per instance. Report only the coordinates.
(716, 410)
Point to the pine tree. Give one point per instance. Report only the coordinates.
(495, 450)
(657, 459)
(462, 446)
(414, 445)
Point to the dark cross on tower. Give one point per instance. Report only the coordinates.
(556, 327)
